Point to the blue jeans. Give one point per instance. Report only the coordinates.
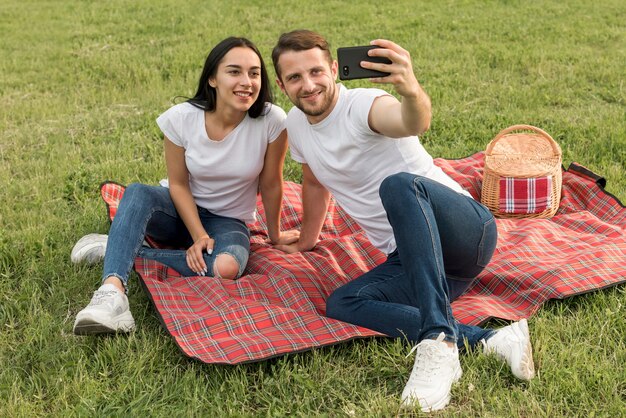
(444, 240)
(149, 210)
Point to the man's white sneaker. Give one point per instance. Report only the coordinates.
(107, 312)
(436, 368)
(89, 249)
(512, 344)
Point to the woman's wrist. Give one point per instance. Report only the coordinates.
(201, 236)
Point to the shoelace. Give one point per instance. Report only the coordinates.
(101, 296)
(428, 361)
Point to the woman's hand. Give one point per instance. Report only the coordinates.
(286, 237)
(195, 259)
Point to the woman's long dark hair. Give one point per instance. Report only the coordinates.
(206, 96)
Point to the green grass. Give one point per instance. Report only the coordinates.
(80, 86)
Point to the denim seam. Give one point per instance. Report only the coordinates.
(432, 239)
(138, 245)
(379, 282)
(481, 245)
(164, 253)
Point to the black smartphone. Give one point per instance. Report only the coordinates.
(349, 62)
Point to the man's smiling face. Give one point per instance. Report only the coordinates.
(308, 79)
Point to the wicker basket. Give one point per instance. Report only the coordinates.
(522, 175)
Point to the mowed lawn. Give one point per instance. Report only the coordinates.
(81, 83)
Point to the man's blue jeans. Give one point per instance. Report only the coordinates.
(444, 240)
(149, 210)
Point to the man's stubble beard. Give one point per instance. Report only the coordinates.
(325, 105)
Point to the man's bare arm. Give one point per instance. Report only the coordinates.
(315, 198)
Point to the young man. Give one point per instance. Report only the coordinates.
(361, 145)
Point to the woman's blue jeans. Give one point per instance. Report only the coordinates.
(149, 210)
(444, 240)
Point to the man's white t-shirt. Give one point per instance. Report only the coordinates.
(351, 160)
(223, 175)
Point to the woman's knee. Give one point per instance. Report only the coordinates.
(135, 188)
(136, 193)
(142, 199)
(226, 267)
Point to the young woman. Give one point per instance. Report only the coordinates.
(221, 146)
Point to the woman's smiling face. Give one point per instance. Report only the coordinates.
(237, 79)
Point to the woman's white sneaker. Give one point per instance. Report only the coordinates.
(512, 344)
(89, 249)
(436, 368)
(107, 312)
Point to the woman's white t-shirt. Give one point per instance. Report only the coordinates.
(223, 175)
(351, 160)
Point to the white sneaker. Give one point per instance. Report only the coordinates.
(107, 312)
(512, 344)
(436, 368)
(89, 249)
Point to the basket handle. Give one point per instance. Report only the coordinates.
(555, 147)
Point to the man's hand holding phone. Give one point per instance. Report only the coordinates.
(388, 116)
(350, 60)
(400, 69)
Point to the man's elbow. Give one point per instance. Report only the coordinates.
(422, 129)
(417, 129)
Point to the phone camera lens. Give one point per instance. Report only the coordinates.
(346, 70)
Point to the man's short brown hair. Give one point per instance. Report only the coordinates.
(299, 40)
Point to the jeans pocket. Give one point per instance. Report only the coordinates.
(488, 242)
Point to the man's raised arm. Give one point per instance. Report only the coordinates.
(388, 116)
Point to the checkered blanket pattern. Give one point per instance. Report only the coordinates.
(580, 249)
(278, 306)
(522, 196)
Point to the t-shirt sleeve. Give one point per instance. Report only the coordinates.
(295, 154)
(292, 129)
(170, 123)
(275, 122)
(360, 105)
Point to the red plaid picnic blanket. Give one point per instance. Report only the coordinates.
(532, 195)
(278, 306)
